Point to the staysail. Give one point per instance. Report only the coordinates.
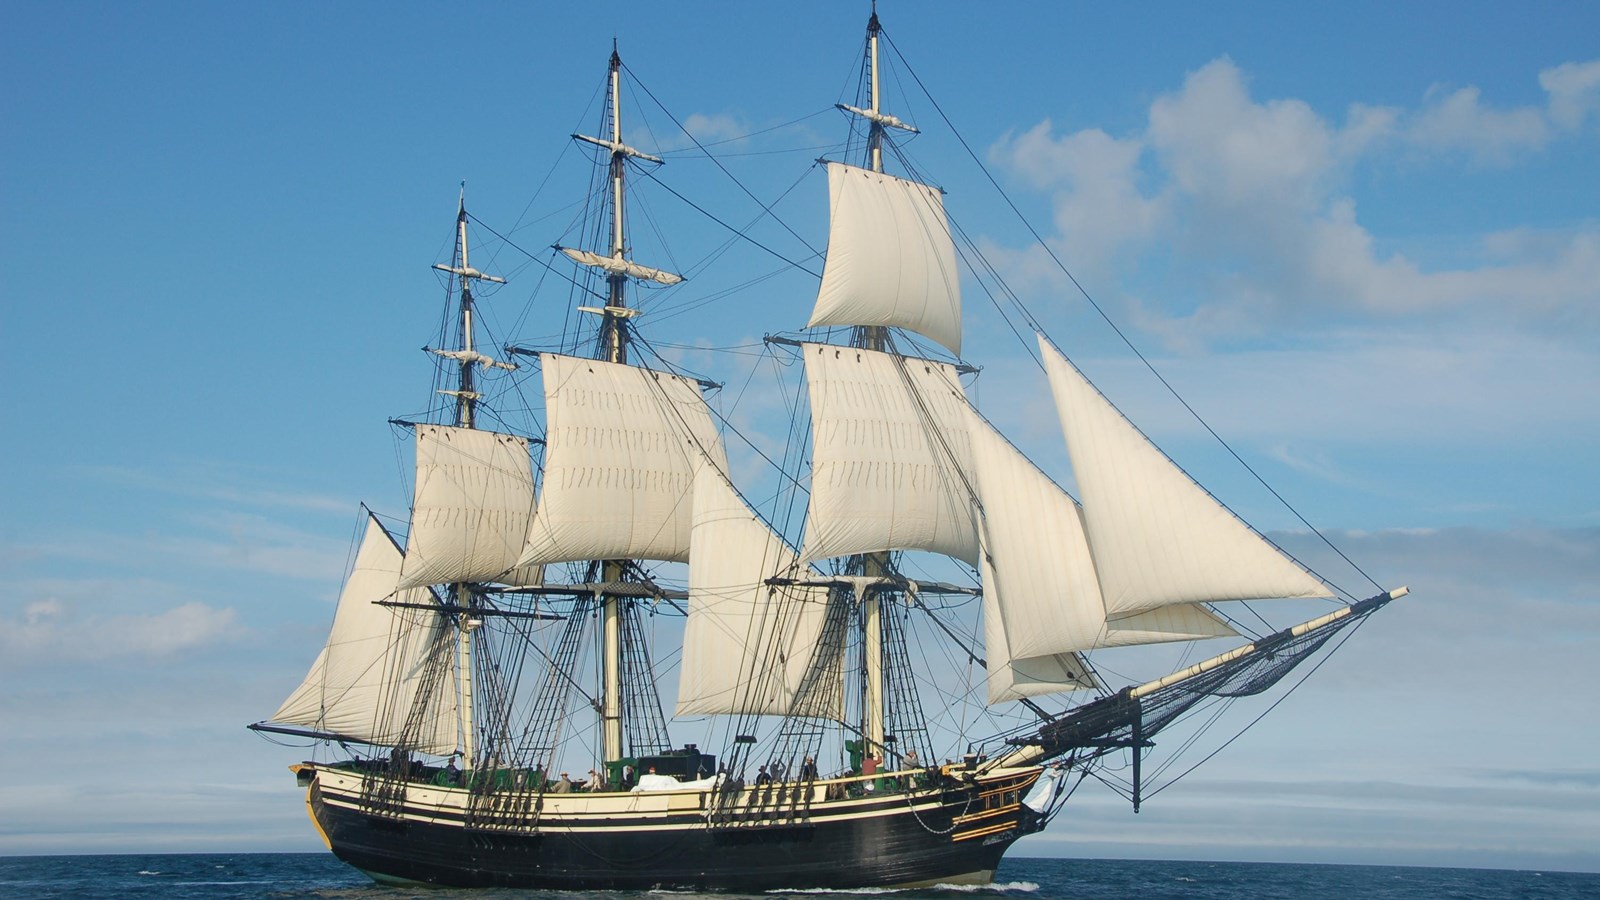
(364, 683)
(890, 257)
(889, 457)
(1038, 574)
(623, 444)
(1157, 538)
(747, 645)
(473, 500)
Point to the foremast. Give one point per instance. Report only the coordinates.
(461, 595)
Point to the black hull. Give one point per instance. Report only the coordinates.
(882, 844)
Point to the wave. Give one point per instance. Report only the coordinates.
(1021, 887)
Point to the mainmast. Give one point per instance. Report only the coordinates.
(466, 409)
(613, 347)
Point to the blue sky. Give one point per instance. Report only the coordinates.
(1363, 241)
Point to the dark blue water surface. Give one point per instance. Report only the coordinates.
(209, 876)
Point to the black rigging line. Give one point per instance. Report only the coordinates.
(538, 259)
(726, 422)
(634, 79)
(738, 233)
(1108, 320)
(684, 152)
(1292, 688)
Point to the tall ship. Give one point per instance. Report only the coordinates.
(590, 660)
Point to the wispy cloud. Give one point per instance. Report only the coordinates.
(51, 630)
(213, 541)
(715, 128)
(210, 480)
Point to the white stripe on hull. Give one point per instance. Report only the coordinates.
(644, 811)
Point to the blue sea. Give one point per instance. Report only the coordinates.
(289, 875)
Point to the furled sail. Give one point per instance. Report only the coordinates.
(747, 645)
(616, 265)
(890, 449)
(622, 446)
(365, 682)
(890, 257)
(474, 497)
(1157, 538)
(1038, 575)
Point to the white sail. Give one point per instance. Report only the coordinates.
(364, 682)
(746, 645)
(619, 266)
(1180, 622)
(474, 497)
(622, 446)
(890, 257)
(1013, 679)
(889, 452)
(1037, 566)
(1038, 569)
(522, 576)
(1158, 539)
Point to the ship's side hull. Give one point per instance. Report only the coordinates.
(954, 833)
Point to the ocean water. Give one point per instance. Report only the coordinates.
(296, 875)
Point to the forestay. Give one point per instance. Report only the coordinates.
(622, 446)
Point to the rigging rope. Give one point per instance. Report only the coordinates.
(1113, 325)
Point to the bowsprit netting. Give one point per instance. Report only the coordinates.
(1133, 715)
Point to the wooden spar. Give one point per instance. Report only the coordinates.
(1296, 631)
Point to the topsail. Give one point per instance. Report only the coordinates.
(891, 453)
(622, 448)
(474, 497)
(891, 260)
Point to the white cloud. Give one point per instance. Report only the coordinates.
(1254, 197)
(1574, 90)
(1098, 206)
(714, 128)
(48, 630)
(1381, 754)
(1458, 122)
(1222, 149)
(1409, 388)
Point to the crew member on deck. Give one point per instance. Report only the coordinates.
(869, 766)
